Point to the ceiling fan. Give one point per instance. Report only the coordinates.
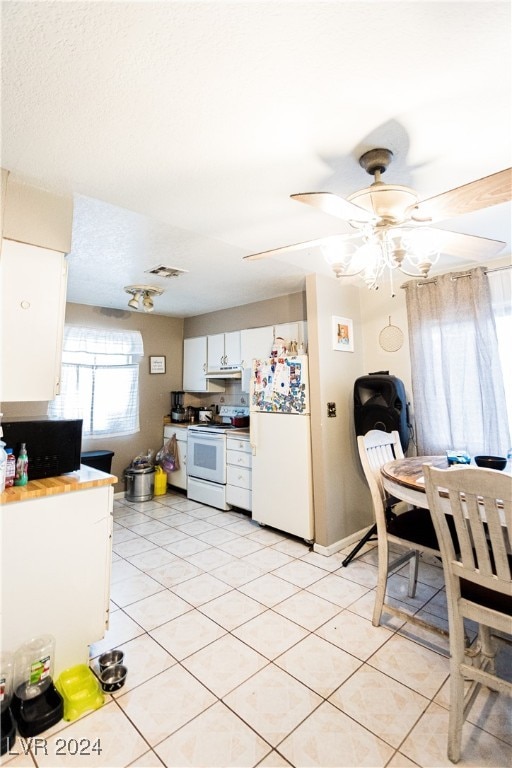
(392, 226)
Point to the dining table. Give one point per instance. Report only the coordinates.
(404, 478)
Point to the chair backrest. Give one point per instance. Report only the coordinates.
(376, 448)
(480, 502)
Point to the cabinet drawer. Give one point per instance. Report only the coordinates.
(239, 476)
(236, 444)
(239, 459)
(239, 497)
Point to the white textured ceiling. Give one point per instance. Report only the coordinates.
(183, 127)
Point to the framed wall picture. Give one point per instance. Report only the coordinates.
(342, 334)
(157, 363)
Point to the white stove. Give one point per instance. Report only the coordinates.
(206, 457)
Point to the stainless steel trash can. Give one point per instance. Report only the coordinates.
(140, 483)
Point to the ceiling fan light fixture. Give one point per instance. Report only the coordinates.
(388, 202)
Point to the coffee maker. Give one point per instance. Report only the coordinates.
(178, 411)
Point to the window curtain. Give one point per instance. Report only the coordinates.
(100, 380)
(457, 381)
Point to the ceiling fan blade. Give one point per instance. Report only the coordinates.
(334, 205)
(297, 247)
(483, 193)
(469, 246)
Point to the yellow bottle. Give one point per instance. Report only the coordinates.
(160, 481)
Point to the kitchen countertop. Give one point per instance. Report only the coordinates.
(86, 477)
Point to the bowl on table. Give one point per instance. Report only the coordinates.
(491, 462)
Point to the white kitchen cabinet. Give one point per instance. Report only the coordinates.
(255, 343)
(296, 331)
(56, 554)
(223, 350)
(239, 476)
(33, 301)
(178, 478)
(194, 367)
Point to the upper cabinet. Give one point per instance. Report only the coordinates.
(36, 234)
(35, 216)
(223, 350)
(194, 367)
(33, 302)
(256, 343)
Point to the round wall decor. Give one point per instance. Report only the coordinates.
(391, 338)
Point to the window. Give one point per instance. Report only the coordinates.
(100, 381)
(455, 326)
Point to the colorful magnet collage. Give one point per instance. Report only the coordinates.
(278, 386)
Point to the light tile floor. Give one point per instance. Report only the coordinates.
(245, 648)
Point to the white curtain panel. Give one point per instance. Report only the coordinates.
(457, 381)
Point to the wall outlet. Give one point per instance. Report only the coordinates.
(331, 410)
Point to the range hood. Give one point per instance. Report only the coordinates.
(225, 372)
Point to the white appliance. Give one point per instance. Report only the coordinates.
(206, 458)
(282, 486)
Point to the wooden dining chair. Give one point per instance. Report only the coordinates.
(410, 529)
(478, 578)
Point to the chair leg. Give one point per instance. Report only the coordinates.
(382, 579)
(413, 574)
(488, 648)
(456, 715)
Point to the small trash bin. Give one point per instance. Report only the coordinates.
(140, 483)
(101, 460)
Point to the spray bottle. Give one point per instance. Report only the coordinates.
(22, 467)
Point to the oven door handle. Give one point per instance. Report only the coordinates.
(202, 435)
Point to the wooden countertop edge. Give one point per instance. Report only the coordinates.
(85, 478)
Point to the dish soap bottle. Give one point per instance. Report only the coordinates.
(22, 467)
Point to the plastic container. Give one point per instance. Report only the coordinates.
(21, 477)
(33, 667)
(80, 691)
(8, 726)
(37, 704)
(10, 469)
(160, 481)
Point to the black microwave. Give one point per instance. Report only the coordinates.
(53, 445)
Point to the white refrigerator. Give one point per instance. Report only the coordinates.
(282, 487)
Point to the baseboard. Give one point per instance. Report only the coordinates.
(341, 544)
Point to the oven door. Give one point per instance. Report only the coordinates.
(206, 455)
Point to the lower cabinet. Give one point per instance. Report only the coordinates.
(178, 478)
(56, 554)
(238, 459)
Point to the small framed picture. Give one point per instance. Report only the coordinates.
(342, 334)
(157, 364)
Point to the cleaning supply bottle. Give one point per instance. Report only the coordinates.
(21, 477)
(3, 458)
(10, 471)
(3, 465)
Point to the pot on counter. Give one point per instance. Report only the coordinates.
(240, 421)
(205, 415)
